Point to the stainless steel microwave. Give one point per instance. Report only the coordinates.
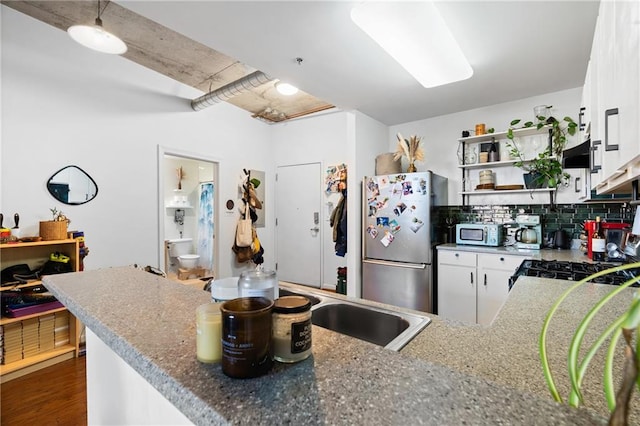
(479, 234)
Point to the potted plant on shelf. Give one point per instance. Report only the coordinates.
(545, 170)
(55, 229)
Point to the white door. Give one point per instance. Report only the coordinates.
(298, 237)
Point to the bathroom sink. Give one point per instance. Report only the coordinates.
(389, 328)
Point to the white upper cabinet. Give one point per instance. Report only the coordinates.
(613, 90)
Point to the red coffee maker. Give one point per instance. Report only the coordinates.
(609, 229)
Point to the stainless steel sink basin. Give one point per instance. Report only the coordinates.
(389, 328)
(314, 300)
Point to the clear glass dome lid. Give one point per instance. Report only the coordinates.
(258, 283)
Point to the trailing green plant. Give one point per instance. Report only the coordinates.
(546, 165)
(547, 168)
(627, 325)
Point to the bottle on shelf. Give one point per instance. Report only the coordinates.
(598, 244)
(494, 154)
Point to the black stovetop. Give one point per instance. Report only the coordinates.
(575, 271)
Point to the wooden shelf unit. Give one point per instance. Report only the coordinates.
(35, 254)
(476, 140)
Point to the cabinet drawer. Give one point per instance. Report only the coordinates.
(457, 258)
(500, 262)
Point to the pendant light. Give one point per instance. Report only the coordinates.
(96, 38)
(286, 88)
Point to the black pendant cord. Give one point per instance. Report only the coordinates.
(100, 12)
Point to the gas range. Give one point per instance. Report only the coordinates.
(574, 271)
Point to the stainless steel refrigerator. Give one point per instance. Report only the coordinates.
(397, 238)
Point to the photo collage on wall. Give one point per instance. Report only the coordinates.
(391, 200)
(336, 178)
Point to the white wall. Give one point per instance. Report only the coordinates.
(65, 104)
(322, 139)
(189, 190)
(440, 140)
(341, 137)
(370, 140)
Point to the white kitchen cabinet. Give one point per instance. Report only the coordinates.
(615, 97)
(473, 286)
(494, 271)
(457, 284)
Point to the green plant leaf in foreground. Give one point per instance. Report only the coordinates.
(542, 342)
(578, 337)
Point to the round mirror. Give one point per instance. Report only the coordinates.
(72, 185)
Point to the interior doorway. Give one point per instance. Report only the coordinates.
(298, 228)
(188, 207)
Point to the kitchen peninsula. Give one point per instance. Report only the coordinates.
(149, 322)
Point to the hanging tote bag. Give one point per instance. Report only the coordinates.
(244, 236)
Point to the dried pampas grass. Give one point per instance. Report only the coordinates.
(409, 148)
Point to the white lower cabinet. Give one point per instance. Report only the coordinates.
(473, 286)
(494, 271)
(457, 281)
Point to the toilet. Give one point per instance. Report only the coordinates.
(181, 248)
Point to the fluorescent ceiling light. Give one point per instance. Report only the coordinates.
(95, 37)
(416, 36)
(286, 89)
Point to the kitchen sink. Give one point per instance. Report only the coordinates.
(314, 300)
(389, 328)
(376, 327)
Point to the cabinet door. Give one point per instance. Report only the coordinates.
(457, 286)
(493, 283)
(618, 87)
(627, 82)
(607, 95)
(593, 108)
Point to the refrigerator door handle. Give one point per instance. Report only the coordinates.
(396, 264)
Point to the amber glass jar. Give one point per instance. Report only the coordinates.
(246, 336)
(291, 329)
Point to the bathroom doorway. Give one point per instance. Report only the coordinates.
(188, 210)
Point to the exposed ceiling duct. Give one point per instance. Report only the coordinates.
(235, 88)
(174, 55)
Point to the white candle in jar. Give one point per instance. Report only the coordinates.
(209, 333)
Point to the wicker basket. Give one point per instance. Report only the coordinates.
(53, 230)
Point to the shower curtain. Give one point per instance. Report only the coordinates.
(205, 226)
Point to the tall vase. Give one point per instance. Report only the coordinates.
(411, 168)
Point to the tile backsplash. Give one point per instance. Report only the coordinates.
(569, 217)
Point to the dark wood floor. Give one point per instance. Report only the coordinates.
(56, 395)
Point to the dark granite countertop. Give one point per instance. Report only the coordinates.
(149, 322)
